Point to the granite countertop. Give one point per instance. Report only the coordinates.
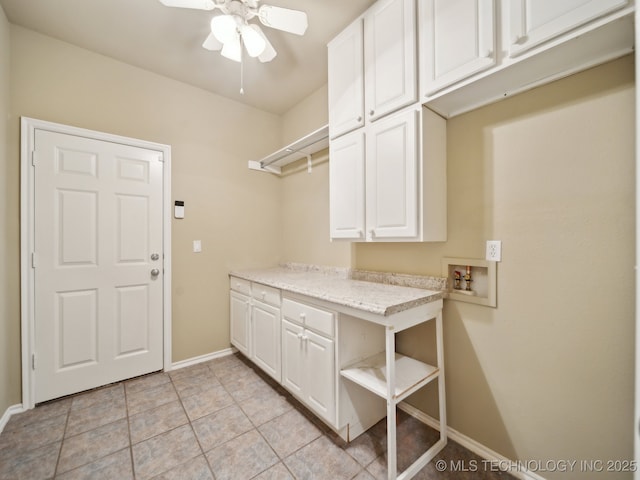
(373, 292)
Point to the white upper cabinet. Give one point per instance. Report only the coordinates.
(372, 66)
(390, 57)
(392, 173)
(532, 22)
(388, 181)
(346, 85)
(346, 186)
(457, 40)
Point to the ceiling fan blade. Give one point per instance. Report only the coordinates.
(195, 4)
(292, 21)
(212, 43)
(269, 53)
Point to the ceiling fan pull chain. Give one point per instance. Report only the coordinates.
(241, 66)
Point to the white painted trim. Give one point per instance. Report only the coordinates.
(6, 416)
(203, 358)
(27, 139)
(469, 443)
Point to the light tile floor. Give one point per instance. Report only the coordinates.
(217, 420)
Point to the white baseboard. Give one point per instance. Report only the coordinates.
(12, 410)
(202, 358)
(486, 453)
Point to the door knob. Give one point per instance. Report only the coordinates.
(155, 272)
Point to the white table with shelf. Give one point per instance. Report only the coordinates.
(394, 377)
(364, 319)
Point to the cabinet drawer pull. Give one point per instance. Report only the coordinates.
(371, 112)
(359, 119)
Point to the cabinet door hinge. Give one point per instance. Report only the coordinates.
(33, 158)
(33, 361)
(34, 260)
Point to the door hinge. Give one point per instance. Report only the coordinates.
(33, 361)
(33, 158)
(34, 260)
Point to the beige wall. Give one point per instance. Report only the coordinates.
(305, 196)
(549, 373)
(232, 210)
(9, 238)
(546, 375)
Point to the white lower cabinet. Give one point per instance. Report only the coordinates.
(308, 358)
(344, 368)
(254, 312)
(240, 313)
(265, 331)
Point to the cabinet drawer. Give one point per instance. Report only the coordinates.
(265, 294)
(240, 285)
(310, 317)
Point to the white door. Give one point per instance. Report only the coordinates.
(532, 22)
(320, 374)
(456, 41)
(98, 263)
(265, 329)
(390, 57)
(346, 81)
(392, 177)
(240, 313)
(346, 186)
(292, 358)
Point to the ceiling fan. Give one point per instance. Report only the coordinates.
(231, 29)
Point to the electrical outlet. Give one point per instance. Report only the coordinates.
(494, 250)
(197, 246)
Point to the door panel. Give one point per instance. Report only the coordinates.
(392, 177)
(77, 228)
(240, 317)
(98, 218)
(321, 374)
(292, 358)
(266, 338)
(532, 23)
(132, 320)
(346, 187)
(76, 328)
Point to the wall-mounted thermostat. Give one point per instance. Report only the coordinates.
(178, 211)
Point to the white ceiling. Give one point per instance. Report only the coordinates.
(168, 41)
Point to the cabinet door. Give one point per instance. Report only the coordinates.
(321, 375)
(240, 313)
(346, 186)
(457, 40)
(346, 81)
(265, 332)
(532, 22)
(292, 358)
(390, 57)
(392, 177)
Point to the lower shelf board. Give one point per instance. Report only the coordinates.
(371, 374)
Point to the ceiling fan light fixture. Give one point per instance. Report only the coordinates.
(232, 49)
(253, 41)
(224, 28)
(212, 43)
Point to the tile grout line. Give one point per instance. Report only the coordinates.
(64, 435)
(126, 409)
(192, 429)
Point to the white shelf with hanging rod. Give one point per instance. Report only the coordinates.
(301, 148)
